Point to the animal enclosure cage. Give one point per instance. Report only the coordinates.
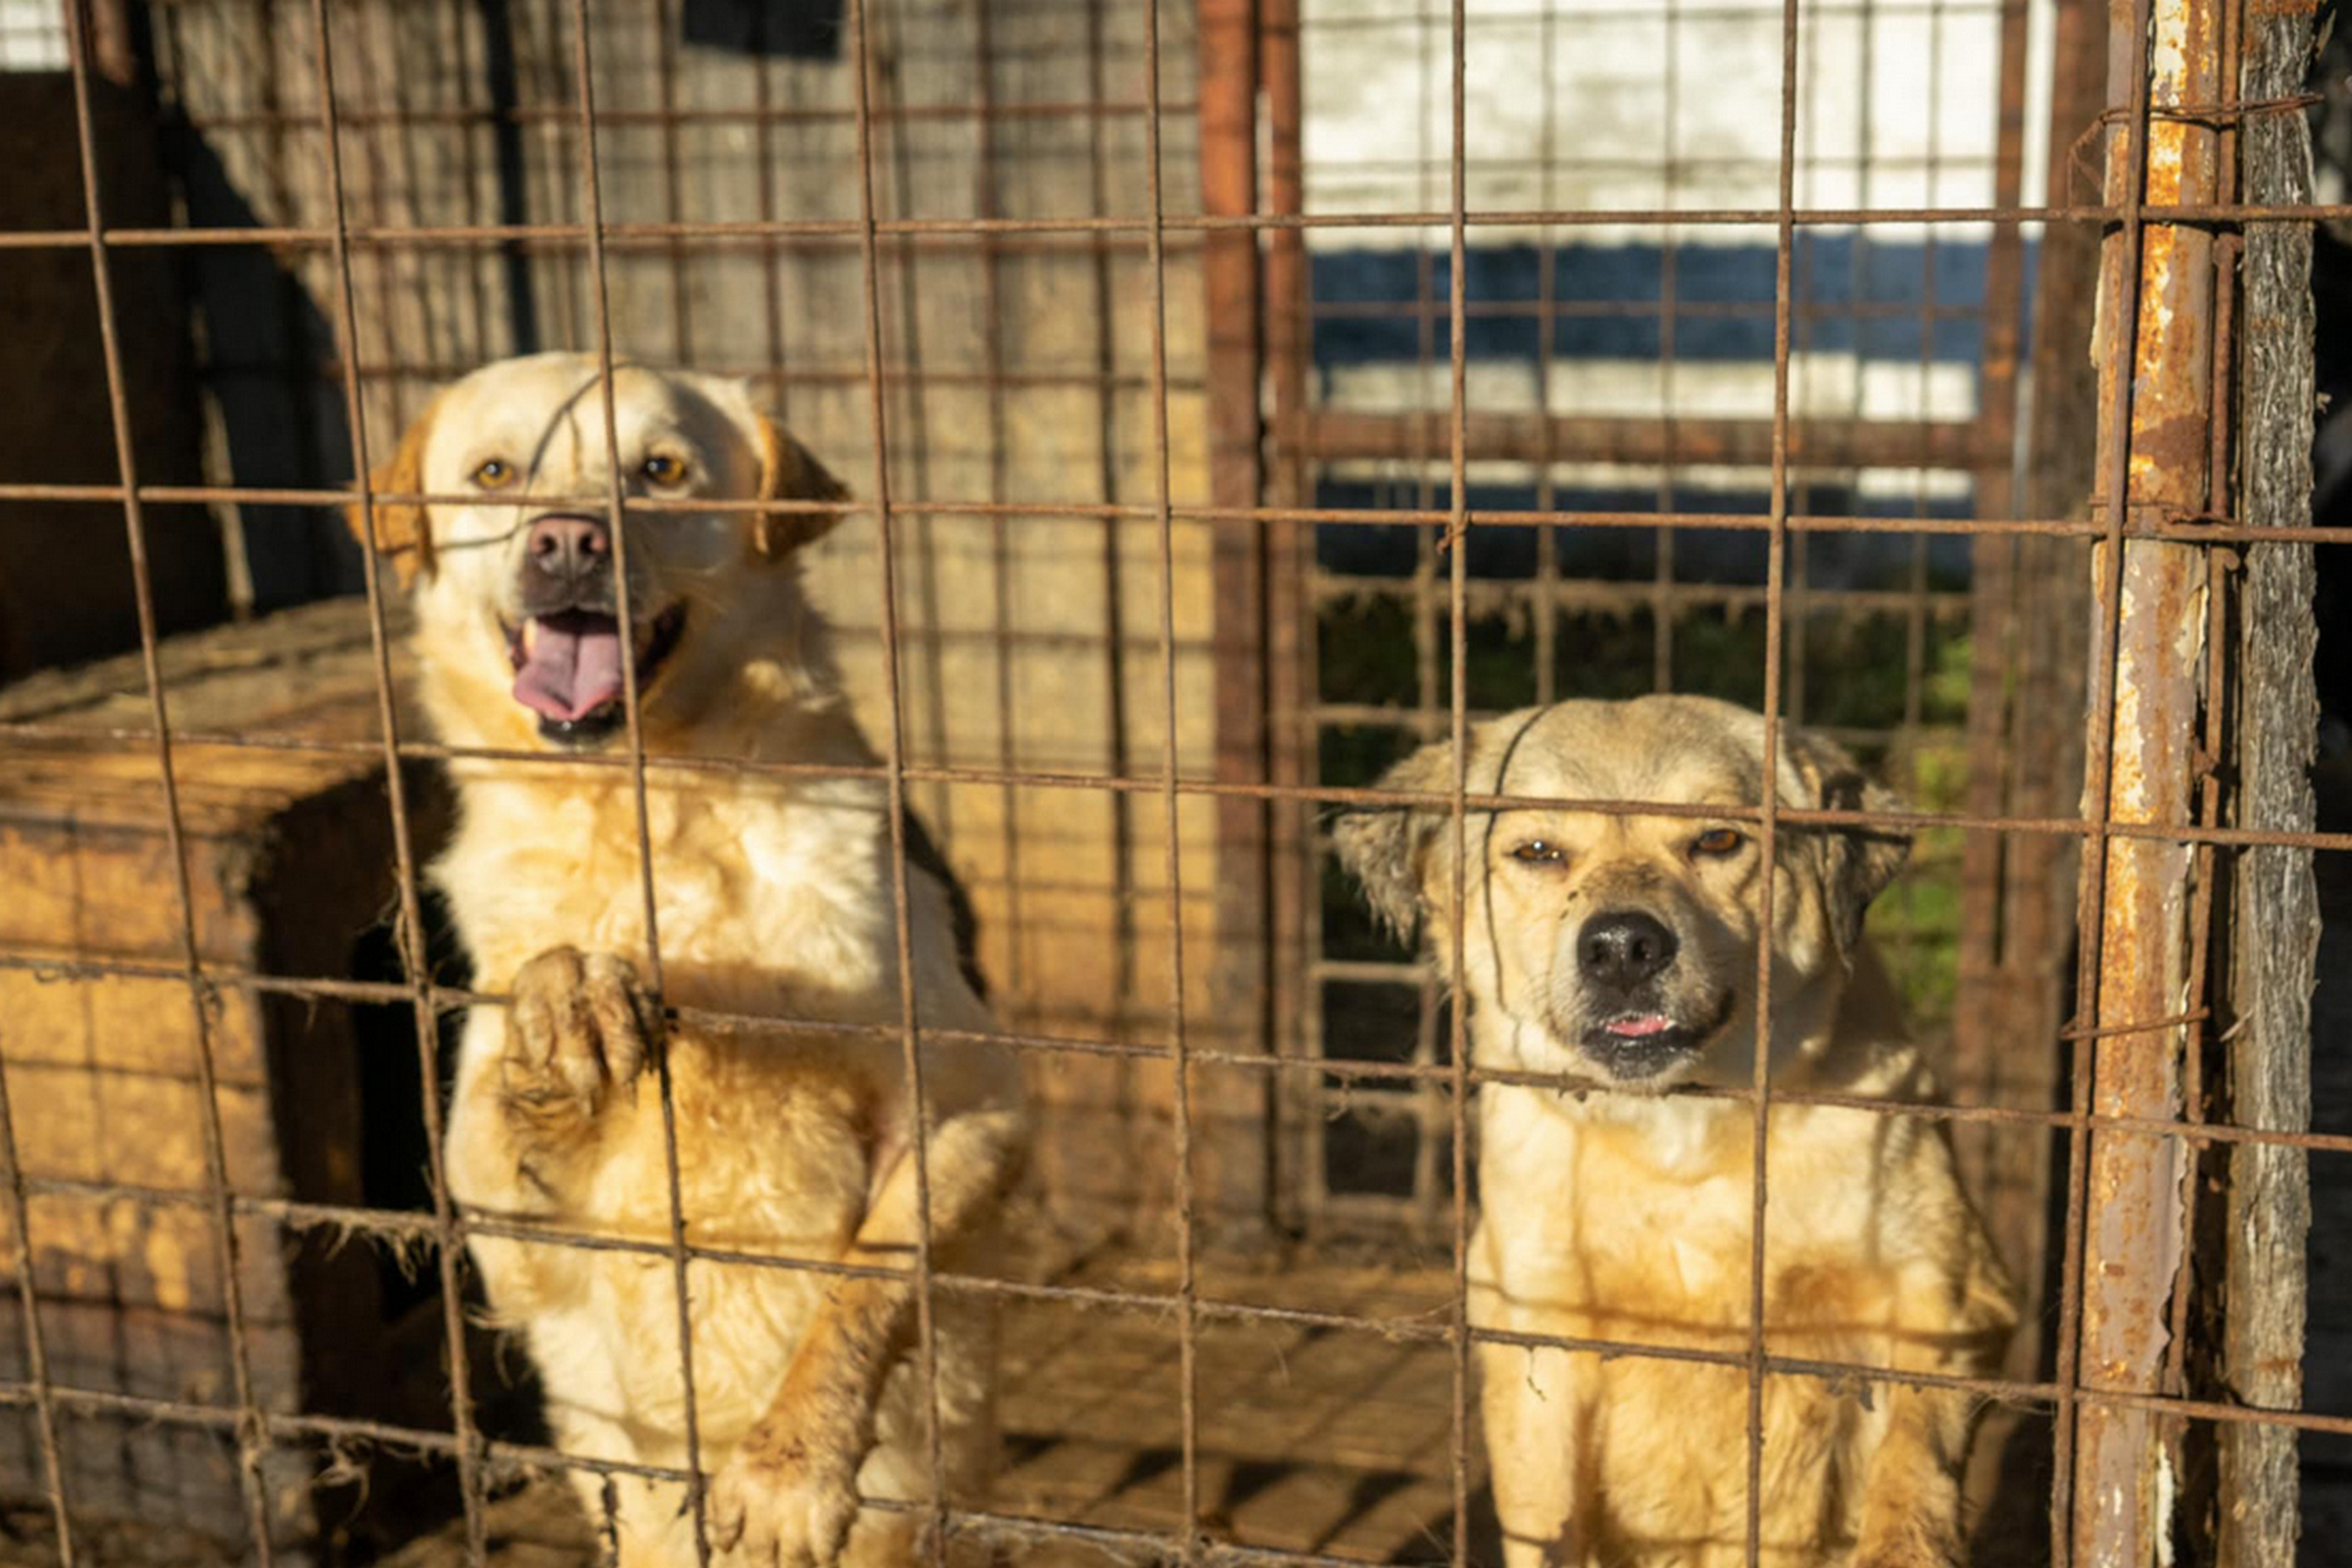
(1238, 395)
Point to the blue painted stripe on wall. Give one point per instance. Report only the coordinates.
(1728, 556)
(1834, 273)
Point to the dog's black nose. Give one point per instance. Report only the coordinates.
(567, 546)
(1622, 948)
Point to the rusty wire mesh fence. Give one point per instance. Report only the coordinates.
(1236, 395)
(1628, 369)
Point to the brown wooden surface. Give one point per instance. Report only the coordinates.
(2278, 930)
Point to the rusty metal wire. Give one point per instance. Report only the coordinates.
(592, 191)
(2091, 920)
(894, 761)
(1188, 1327)
(224, 978)
(252, 1425)
(1456, 958)
(1768, 822)
(659, 235)
(447, 1232)
(2146, 521)
(670, 116)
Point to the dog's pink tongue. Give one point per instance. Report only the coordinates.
(1640, 1028)
(573, 667)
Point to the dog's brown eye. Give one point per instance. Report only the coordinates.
(1539, 852)
(494, 473)
(1717, 841)
(661, 468)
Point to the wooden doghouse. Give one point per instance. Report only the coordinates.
(288, 855)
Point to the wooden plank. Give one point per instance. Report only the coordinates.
(2275, 945)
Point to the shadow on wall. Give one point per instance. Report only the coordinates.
(270, 346)
(776, 29)
(283, 418)
(66, 582)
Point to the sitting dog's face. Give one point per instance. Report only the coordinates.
(518, 590)
(1623, 947)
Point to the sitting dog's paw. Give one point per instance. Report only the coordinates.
(788, 1503)
(1913, 1545)
(580, 1026)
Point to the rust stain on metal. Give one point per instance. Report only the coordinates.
(2153, 630)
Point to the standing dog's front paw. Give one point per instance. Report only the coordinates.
(580, 1026)
(788, 1503)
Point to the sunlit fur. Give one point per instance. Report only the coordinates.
(1622, 1210)
(773, 897)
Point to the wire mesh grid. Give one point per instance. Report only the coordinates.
(1609, 320)
(1295, 495)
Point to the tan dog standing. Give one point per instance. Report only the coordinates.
(773, 897)
(1619, 954)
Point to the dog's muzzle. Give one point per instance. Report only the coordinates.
(1622, 959)
(568, 650)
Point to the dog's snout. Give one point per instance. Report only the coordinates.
(569, 546)
(1622, 948)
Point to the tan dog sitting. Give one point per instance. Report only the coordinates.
(773, 897)
(1619, 954)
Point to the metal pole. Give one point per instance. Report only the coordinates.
(2127, 1194)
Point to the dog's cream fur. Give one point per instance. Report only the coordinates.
(1619, 1211)
(773, 897)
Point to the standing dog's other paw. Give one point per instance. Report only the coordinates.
(788, 1503)
(580, 1026)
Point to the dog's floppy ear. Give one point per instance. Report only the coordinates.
(788, 472)
(400, 529)
(1856, 862)
(1388, 848)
